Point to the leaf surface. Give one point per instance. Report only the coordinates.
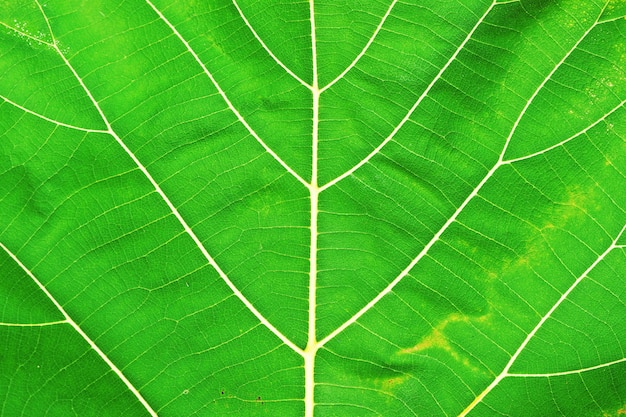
(312, 208)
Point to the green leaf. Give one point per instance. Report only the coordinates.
(312, 208)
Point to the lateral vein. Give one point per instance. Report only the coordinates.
(80, 331)
(364, 50)
(268, 50)
(225, 97)
(171, 206)
(415, 105)
(474, 192)
(50, 323)
(56, 122)
(563, 142)
(26, 35)
(505, 371)
(571, 372)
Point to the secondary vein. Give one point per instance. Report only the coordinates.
(230, 105)
(80, 331)
(168, 202)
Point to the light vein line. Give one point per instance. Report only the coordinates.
(563, 373)
(544, 82)
(415, 260)
(225, 97)
(363, 51)
(415, 105)
(80, 331)
(27, 35)
(505, 371)
(563, 142)
(268, 50)
(56, 122)
(51, 323)
(458, 211)
(171, 206)
(612, 19)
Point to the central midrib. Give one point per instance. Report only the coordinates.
(312, 345)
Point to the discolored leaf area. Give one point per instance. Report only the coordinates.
(312, 208)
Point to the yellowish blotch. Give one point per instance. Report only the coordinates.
(618, 413)
(578, 200)
(433, 340)
(437, 338)
(388, 385)
(491, 276)
(213, 44)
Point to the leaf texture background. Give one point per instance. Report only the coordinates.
(312, 208)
